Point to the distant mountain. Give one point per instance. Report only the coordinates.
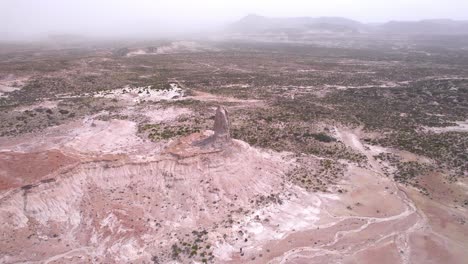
(433, 26)
(254, 24)
(261, 24)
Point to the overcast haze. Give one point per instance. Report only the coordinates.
(33, 18)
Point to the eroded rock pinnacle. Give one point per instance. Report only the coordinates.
(221, 130)
(221, 124)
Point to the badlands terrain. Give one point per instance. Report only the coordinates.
(344, 150)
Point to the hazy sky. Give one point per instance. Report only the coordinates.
(133, 17)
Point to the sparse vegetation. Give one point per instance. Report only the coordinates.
(162, 132)
(294, 102)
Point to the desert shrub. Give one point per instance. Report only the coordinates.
(322, 137)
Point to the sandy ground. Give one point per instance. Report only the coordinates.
(139, 94)
(10, 83)
(461, 126)
(93, 191)
(174, 47)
